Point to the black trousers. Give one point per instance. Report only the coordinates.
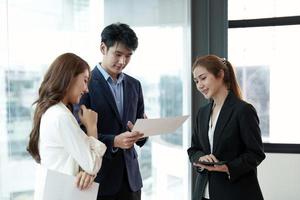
(125, 193)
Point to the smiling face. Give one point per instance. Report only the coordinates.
(77, 88)
(208, 84)
(115, 58)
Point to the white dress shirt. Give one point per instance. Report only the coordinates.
(64, 147)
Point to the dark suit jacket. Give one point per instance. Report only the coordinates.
(237, 140)
(110, 124)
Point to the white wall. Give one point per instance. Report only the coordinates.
(279, 176)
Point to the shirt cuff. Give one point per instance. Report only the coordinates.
(114, 149)
(200, 169)
(228, 174)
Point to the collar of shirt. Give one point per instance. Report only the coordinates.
(108, 78)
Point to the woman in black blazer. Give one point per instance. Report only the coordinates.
(227, 129)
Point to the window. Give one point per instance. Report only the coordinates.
(162, 64)
(33, 33)
(265, 54)
(256, 9)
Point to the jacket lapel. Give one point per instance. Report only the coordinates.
(102, 83)
(224, 116)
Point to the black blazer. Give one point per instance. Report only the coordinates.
(110, 124)
(237, 140)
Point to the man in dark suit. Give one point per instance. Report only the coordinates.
(118, 100)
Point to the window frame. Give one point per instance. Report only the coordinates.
(265, 22)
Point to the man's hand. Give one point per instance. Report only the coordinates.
(130, 125)
(84, 180)
(127, 139)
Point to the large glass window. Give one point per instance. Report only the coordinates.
(245, 9)
(162, 64)
(267, 68)
(164, 78)
(33, 33)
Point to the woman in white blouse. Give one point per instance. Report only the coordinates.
(56, 140)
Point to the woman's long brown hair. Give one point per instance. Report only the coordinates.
(52, 90)
(214, 64)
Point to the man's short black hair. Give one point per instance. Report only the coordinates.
(120, 33)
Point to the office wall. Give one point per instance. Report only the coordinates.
(279, 176)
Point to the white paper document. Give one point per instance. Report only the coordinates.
(159, 126)
(52, 185)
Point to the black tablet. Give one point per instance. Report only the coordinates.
(212, 163)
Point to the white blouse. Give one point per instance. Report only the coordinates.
(64, 147)
(211, 131)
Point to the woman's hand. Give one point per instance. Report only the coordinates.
(211, 158)
(89, 119)
(84, 180)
